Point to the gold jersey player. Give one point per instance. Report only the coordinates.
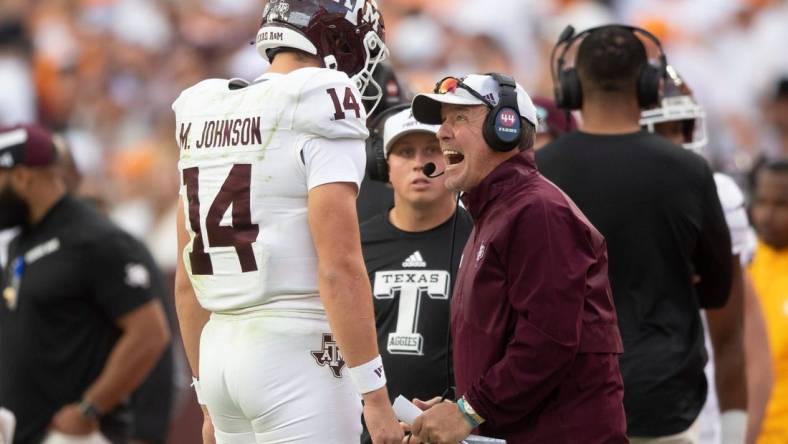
(272, 294)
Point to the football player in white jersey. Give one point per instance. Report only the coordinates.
(271, 290)
(724, 418)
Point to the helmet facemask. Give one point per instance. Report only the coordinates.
(682, 109)
(365, 82)
(679, 105)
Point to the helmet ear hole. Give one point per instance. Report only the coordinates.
(688, 130)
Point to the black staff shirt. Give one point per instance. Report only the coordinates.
(411, 287)
(657, 206)
(68, 280)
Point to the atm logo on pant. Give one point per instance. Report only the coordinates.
(329, 355)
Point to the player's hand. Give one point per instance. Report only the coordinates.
(443, 423)
(382, 424)
(208, 436)
(70, 421)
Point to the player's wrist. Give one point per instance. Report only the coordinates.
(197, 390)
(89, 410)
(369, 377)
(733, 423)
(379, 397)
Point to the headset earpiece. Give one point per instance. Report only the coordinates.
(377, 168)
(568, 89)
(648, 86)
(502, 127)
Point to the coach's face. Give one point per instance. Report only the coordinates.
(468, 158)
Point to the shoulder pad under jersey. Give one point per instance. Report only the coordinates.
(328, 105)
(202, 91)
(731, 196)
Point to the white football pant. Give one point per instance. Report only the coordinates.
(263, 383)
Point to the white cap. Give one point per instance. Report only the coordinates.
(400, 124)
(427, 107)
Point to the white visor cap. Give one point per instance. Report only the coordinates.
(427, 107)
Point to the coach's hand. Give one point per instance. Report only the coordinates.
(379, 416)
(70, 421)
(443, 423)
(208, 436)
(426, 405)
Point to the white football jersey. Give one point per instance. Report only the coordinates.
(248, 157)
(732, 201)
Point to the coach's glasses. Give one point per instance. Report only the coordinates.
(450, 84)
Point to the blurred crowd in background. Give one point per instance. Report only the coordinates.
(103, 73)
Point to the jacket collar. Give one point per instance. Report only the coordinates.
(500, 179)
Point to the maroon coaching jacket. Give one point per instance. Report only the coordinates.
(536, 339)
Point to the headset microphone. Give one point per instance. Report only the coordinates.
(429, 168)
(566, 34)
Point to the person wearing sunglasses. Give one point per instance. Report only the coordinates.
(535, 335)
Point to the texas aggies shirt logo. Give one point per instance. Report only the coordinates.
(410, 288)
(330, 355)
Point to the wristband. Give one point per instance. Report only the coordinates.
(197, 390)
(734, 426)
(369, 377)
(473, 418)
(88, 409)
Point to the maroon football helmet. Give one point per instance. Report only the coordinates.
(347, 35)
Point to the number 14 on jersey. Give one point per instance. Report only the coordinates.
(234, 191)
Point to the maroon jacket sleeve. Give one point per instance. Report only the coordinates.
(546, 253)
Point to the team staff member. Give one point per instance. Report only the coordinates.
(768, 271)
(375, 196)
(406, 251)
(535, 338)
(657, 206)
(79, 328)
(151, 403)
(735, 405)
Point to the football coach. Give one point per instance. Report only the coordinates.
(535, 335)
